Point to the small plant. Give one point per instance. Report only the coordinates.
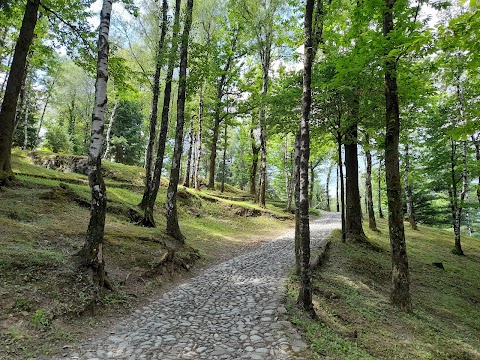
(40, 321)
(22, 304)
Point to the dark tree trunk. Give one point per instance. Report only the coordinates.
(198, 152)
(408, 191)
(254, 166)
(10, 98)
(154, 185)
(353, 209)
(372, 223)
(262, 189)
(305, 293)
(454, 203)
(186, 183)
(342, 186)
(173, 228)
(311, 183)
(400, 294)
(296, 186)
(154, 109)
(338, 197)
(380, 212)
(93, 257)
(224, 169)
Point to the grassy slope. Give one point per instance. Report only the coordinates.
(357, 321)
(43, 296)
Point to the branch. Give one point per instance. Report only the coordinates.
(75, 30)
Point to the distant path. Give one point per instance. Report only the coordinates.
(231, 311)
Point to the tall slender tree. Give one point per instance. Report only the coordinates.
(400, 293)
(92, 252)
(154, 185)
(173, 228)
(154, 108)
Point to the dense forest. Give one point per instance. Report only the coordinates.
(367, 108)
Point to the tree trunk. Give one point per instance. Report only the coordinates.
(154, 108)
(380, 212)
(109, 129)
(353, 209)
(311, 183)
(10, 98)
(199, 142)
(400, 294)
(262, 189)
(154, 185)
(93, 248)
(455, 206)
(305, 293)
(21, 98)
(372, 223)
(337, 197)
(296, 180)
(40, 123)
(327, 186)
(173, 228)
(476, 142)
(254, 167)
(342, 186)
(190, 155)
(408, 191)
(25, 129)
(225, 144)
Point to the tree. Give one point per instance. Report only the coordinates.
(173, 228)
(400, 293)
(10, 99)
(372, 224)
(92, 251)
(148, 219)
(154, 109)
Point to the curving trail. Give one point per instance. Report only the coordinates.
(231, 311)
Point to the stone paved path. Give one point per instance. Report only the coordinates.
(231, 311)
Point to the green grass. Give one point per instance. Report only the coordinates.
(356, 320)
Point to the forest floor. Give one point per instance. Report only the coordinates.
(351, 297)
(44, 298)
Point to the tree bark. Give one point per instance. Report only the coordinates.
(254, 166)
(305, 292)
(400, 293)
(337, 197)
(476, 142)
(380, 212)
(186, 183)
(408, 190)
(353, 208)
(154, 185)
(342, 186)
(199, 142)
(10, 98)
(327, 186)
(93, 247)
(173, 228)
(372, 223)
(154, 108)
(224, 170)
(109, 129)
(455, 206)
(262, 189)
(296, 180)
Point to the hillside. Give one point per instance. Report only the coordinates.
(43, 220)
(351, 297)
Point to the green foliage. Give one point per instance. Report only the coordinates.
(58, 140)
(40, 320)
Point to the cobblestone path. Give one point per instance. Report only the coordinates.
(231, 311)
